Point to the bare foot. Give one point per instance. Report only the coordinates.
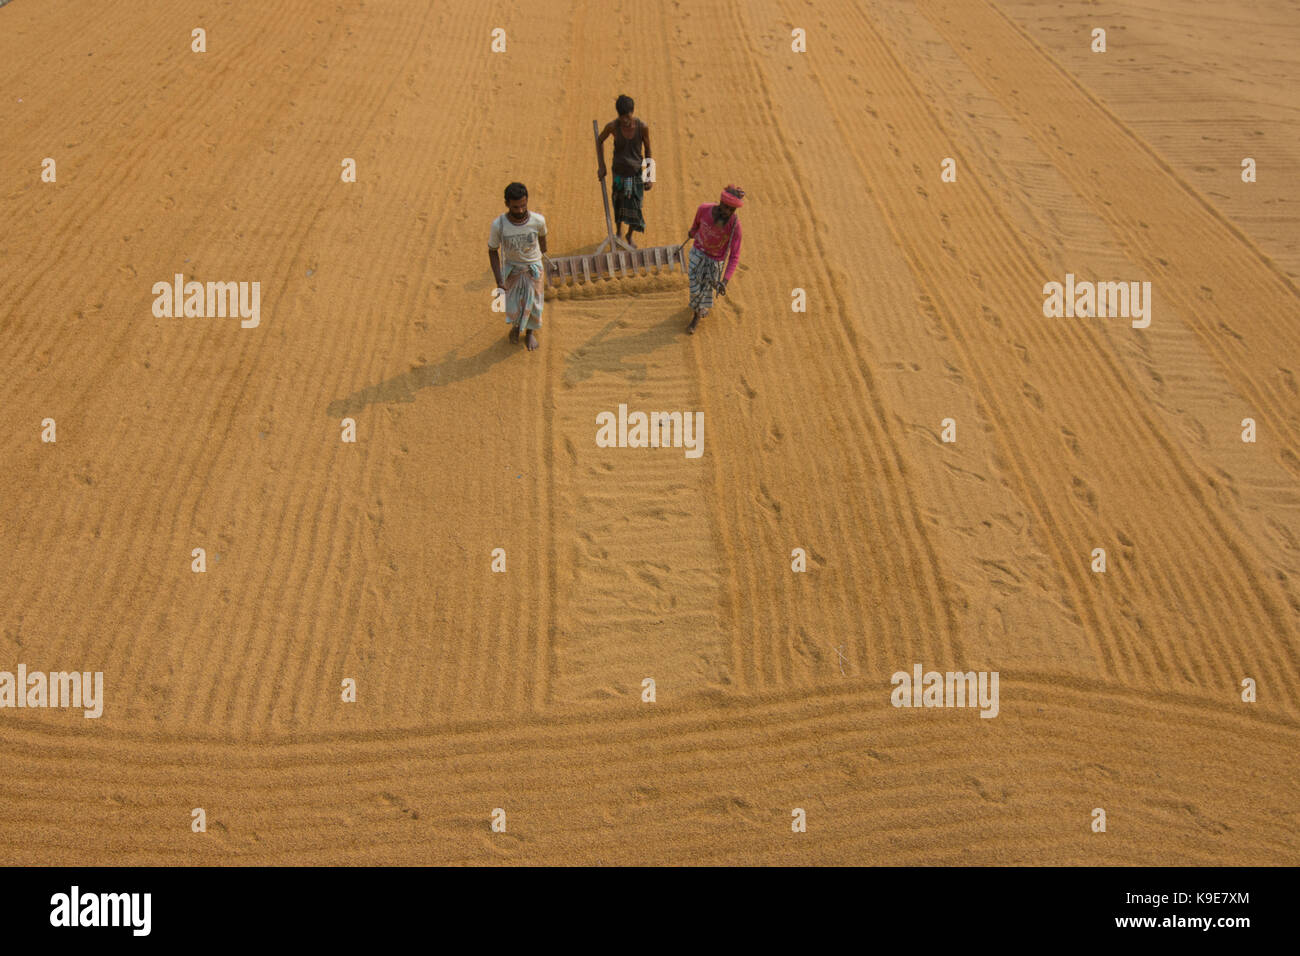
(533, 344)
(514, 335)
(695, 320)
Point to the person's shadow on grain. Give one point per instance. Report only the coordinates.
(404, 387)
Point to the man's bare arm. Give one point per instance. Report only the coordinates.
(600, 149)
(541, 241)
(645, 141)
(495, 259)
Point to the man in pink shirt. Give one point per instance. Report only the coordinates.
(716, 231)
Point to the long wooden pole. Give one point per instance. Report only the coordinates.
(611, 241)
(604, 193)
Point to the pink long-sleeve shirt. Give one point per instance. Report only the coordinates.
(717, 239)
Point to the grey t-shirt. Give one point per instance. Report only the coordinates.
(519, 240)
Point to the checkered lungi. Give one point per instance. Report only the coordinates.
(525, 293)
(705, 275)
(628, 192)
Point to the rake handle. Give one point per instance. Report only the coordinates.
(604, 194)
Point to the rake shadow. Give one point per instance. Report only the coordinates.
(607, 351)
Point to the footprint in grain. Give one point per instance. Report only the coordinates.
(650, 574)
(725, 808)
(1198, 432)
(964, 472)
(644, 793)
(593, 550)
(502, 844)
(992, 794)
(1083, 491)
(392, 802)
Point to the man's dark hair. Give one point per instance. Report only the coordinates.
(516, 191)
(624, 105)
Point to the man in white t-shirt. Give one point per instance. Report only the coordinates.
(522, 236)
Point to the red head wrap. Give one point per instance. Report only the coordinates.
(733, 196)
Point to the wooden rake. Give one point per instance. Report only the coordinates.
(614, 258)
